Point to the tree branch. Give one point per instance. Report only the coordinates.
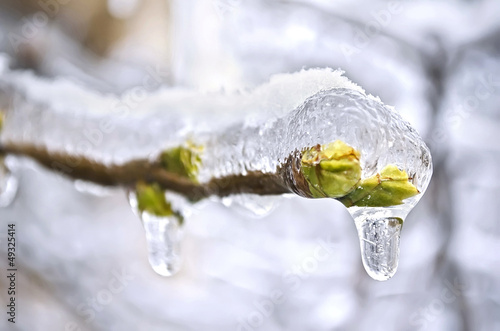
(129, 173)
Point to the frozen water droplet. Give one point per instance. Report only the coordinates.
(8, 185)
(379, 242)
(163, 235)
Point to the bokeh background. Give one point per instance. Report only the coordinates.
(82, 252)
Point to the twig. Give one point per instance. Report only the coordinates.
(287, 179)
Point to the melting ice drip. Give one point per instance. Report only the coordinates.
(288, 114)
(163, 237)
(379, 241)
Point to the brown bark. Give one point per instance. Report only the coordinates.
(129, 173)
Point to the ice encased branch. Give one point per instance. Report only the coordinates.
(241, 132)
(252, 142)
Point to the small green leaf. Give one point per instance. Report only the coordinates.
(184, 161)
(389, 188)
(331, 170)
(151, 199)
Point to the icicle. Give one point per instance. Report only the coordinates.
(8, 185)
(379, 243)
(163, 234)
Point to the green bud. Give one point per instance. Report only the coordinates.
(389, 188)
(151, 199)
(331, 170)
(184, 161)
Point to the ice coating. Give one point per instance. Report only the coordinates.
(247, 131)
(118, 128)
(363, 122)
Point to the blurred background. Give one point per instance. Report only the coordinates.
(82, 253)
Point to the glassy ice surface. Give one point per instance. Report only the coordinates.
(8, 185)
(341, 113)
(163, 237)
(273, 122)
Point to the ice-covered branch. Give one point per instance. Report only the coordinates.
(312, 133)
(149, 171)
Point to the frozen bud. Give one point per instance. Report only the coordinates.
(151, 199)
(331, 170)
(184, 161)
(389, 188)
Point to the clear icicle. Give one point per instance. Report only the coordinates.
(379, 231)
(379, 243)
(8, 185)
(163, 237)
